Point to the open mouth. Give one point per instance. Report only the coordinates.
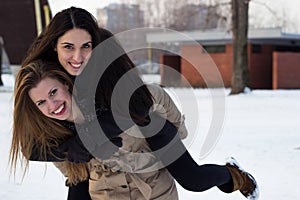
(76, 66)
(60, 110)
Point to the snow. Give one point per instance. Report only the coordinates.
(260, 130)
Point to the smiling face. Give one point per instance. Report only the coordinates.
(53, 99)
(74, 49)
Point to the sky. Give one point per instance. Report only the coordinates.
(269, 13)
(90, 5)
(261, 130)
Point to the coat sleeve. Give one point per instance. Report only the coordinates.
(55, 156)
(61, 167)
(166, 108)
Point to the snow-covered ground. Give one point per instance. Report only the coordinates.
(261, 130)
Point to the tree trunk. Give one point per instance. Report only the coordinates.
(240, 76)
(1, 82)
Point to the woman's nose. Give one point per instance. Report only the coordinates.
(77, 56)
(52, 105)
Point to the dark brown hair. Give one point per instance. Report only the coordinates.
(43, 48)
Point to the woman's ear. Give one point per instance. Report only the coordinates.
(54, 46)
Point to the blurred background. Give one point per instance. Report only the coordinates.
(273, 27)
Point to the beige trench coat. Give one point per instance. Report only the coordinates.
(133, 173)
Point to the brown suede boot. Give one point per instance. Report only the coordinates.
(242, 180)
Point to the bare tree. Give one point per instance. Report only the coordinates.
(274, 16)
(181, 15)
(1, 46)
(195, 17)
(240, 76)
(163, 14)
(239, 28)
(159, 13)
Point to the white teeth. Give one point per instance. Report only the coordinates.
(59, 109)
(76, 65)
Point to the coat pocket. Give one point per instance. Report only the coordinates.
(98, 189)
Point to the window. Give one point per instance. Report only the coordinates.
(256, 48)
(214, 49)
(286, 48)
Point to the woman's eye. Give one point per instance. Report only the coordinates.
(86, 46)
(53, 92)
(40, 103)
(68, 47)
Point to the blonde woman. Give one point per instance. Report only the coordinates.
(44, 120)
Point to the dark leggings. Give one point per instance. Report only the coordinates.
(178, 161)
(79, 191)
(184, 169)
(198, 178)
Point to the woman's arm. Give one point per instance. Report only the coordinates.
(55, 156)
(165, 107)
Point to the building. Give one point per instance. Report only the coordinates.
(273, 57)
(120, 17)
(20, 23)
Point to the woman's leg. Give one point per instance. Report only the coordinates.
(168, 147)
(79, 191)
(198, 178)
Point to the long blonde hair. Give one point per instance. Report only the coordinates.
(32, 129)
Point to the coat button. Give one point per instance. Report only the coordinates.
(123, 186)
